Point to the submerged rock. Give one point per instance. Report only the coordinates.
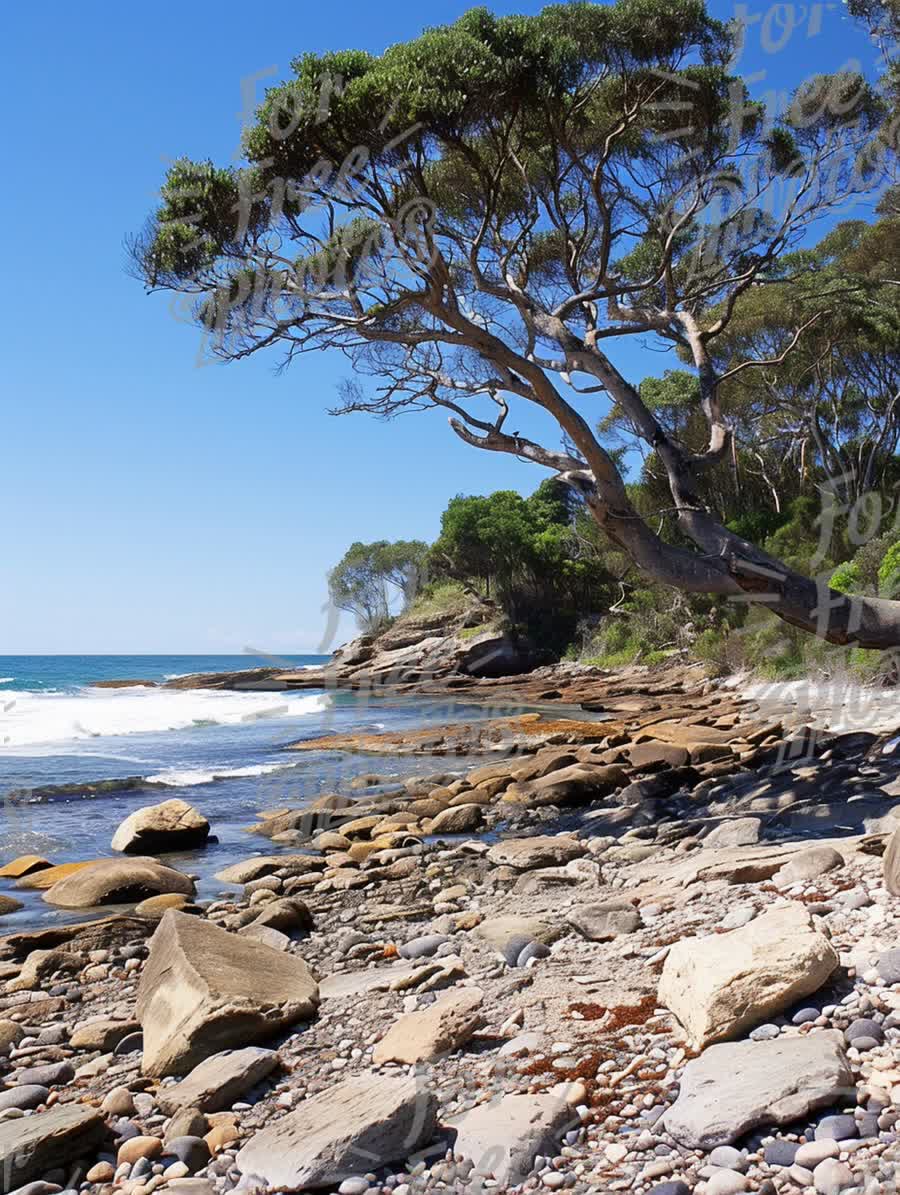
(117, 881)
(170, 826)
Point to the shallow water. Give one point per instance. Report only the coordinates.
(223, 752)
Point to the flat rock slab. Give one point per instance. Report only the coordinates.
(203, 990)
(116, 881)
(266, 865)
(544, 850)
(735, 1087)
(32, 1145)
(359, 1125)
(217, 1082)
(720, 985)
(504, 1136)
(368, 979)
(430, 1032)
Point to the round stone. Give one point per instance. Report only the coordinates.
(193, 1151)
(831, 1177)
(118, 1102)
(864, 1027)
(28, 1096)
(139, 1148)
(532, 950)
(353, 1186)
(728, 1158)
(805, 1016)
(727, 1182)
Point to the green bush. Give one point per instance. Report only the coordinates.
(889, 572)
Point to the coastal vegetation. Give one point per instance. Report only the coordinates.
(481, 217)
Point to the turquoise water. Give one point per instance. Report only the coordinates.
(221, 751)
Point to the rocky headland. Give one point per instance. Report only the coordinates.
(651, 950)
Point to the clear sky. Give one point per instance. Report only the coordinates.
(151, 504)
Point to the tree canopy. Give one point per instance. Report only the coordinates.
(475, 216)
(370, 577)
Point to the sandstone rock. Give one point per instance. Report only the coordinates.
(722, 984)
(432, 1031)
(136, 1148)
(218, 1081)
(500, 931)
(733, 1088)
(808, 865)
(737, 831)
(540, 851)
(265, 865)
(457, 819)
(604, 921)
(24, 865)
(46, 877)
(155, 906)
(170, 826)
(575, 785)
(10, 1035)
(503, 1137)
(203, 990)
(647, 756)
(39, 965)
(33, 1145)
(9, 904)
(288, 915)
(116, 881)
(358, 1125)
(102, 1035)
(892, 864)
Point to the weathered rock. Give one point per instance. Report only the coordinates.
(46, 877)
(808, 865)
(548, 850)
(457, 819)
(24, 865)
(892, 864)
(432, 1031)
(722, 984)
(218, 1081)
(117, 881)
(155, 906)
(575, 785)
(288, 915)
(604, 921)
(10, 1035)
(499, 931)
(503, 1137)
(265, 865)
(9, 904)
(31, 1146)
(735, 1087)
(102, 1035)
(737, 831)
(358, 1125)
(204, 990)
(170, 826)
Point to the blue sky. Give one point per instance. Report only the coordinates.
(151, 503)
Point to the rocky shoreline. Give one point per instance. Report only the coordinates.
(653, 953)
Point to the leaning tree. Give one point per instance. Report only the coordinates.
(479, 216)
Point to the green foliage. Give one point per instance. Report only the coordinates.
(846, 578)
(438, 599)
(363, 579)
(889, 573)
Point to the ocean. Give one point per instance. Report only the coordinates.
(221, 751)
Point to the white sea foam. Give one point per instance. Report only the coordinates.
(28, 718)
(6, 680)
(188, 777)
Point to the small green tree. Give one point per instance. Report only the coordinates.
(361, 583)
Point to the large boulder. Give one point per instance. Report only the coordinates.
(735, 1087)
(33, 1145)
(117, 882)
(605, 920)
(357, 1126)
(170, 826)
(808, 865)
(430, 1032)
(722, 984)
(504, 1136)
(218, 1081)
(204, 990)
(575, 785)
(543, 850)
